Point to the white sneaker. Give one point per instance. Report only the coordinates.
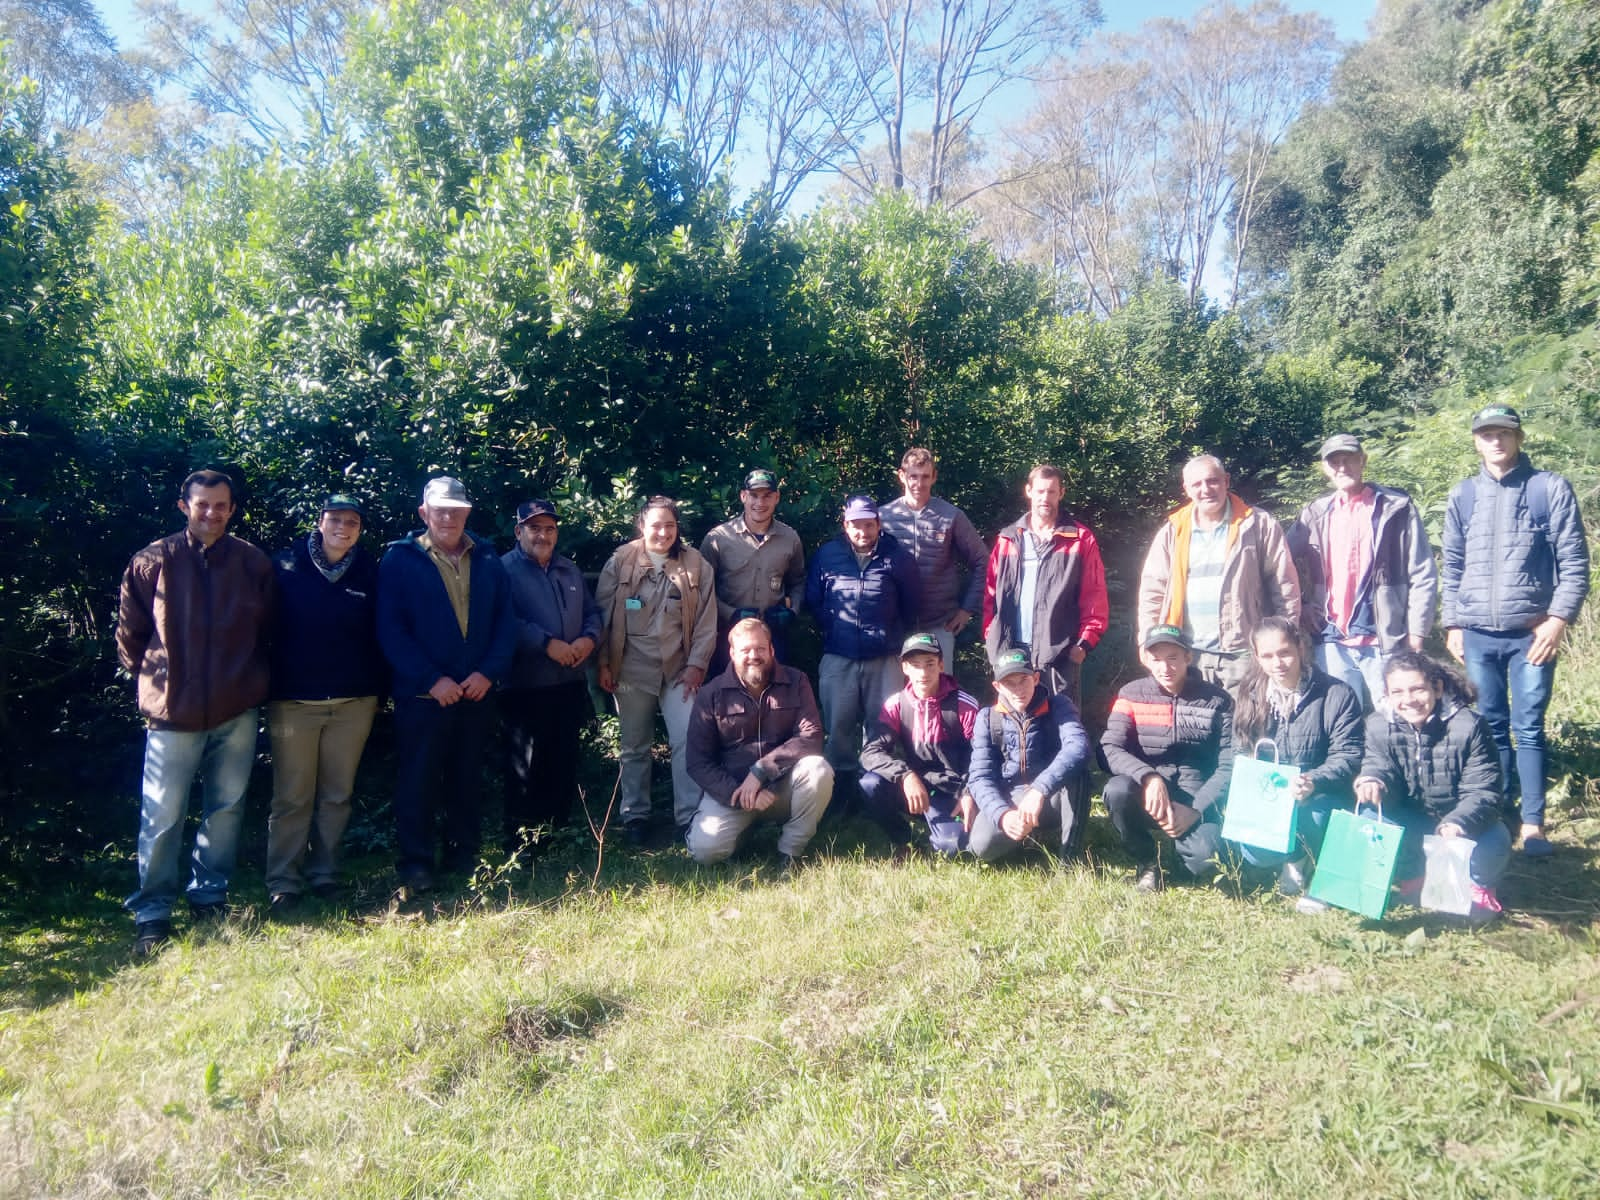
(1291, 880)
(1310, 907)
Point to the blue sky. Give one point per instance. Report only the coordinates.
(1349, 18)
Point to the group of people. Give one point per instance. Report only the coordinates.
(1252, 638)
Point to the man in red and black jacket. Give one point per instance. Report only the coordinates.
(1046, 587)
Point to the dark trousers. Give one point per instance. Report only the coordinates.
(1197, 849)
(440, 752)
(543, 726)
(886, 805)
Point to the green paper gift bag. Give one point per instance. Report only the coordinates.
(1357, 862)
(1260, 809)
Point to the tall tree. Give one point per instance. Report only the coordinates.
(933, 66)
(1151, 147)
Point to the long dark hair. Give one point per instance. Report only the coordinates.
(1252, 712)
(671, 505)
(1454, 685)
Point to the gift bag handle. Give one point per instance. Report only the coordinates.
(1266, 741)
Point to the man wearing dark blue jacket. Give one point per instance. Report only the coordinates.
(863, 589)
(1028, 748)
(546, 699)
(1516, 571)
(444, 620)
(327, 675)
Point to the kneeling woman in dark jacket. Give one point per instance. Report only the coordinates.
(1314, 723)
(1432, 767)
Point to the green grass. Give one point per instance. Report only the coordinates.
(658, 1030)
(934, 1030)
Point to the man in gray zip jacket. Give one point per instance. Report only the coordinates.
(1516, 571)
(1367, 575)
(942, 540)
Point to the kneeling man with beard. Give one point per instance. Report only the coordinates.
(755, 747)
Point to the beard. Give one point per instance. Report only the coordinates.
(756, 676)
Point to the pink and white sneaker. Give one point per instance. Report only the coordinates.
(1486, 908)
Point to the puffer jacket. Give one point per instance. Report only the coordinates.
(1043, 748)
(937, 745)
(1186, 739)
(1508, 571)
(864, 612)
(1394, 599)
(1448, 767)
(733, 734)
(1324, 737)
(193, 627)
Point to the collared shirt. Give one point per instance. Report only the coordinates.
(456, 573)
(1202, 604)
(655, 631)
(1348, 557)
(754, 570)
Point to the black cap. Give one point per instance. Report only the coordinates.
(1496, 416)
(530, 509)
(342, 502)
(760, 478)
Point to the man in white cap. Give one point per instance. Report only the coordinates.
(1516, 571)
(1367, 575)
(444, 621)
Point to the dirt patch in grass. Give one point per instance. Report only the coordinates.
(530, 1029)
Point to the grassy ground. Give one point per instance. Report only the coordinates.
(937, 1029)
(643, 1027)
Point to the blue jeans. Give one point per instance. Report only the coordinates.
(222, 757)
(1490, 857)
(886, 805)
(1359, 668)
(1512, 697)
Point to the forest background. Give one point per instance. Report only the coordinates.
(327, 249)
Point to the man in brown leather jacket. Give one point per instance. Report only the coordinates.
(755, 747)
(192, 631)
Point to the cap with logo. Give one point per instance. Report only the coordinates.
(342, 502)
(529, 509)
(760, 478)
(1340, 443)
(1496, 416)
(1166, 635)
(446, 491)
(1012, 662)
(921, 643)
(860, 508)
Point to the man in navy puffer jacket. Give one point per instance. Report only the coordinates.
(1027, 778)
(1516, 571)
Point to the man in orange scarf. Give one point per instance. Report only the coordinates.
(1216, 569)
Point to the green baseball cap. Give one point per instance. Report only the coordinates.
(921, 643)
(1169, 634)
(1012, 662)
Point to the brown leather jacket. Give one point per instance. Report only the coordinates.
(733, 734)
(192, 629)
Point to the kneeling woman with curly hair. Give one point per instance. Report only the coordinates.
(1431, 765)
